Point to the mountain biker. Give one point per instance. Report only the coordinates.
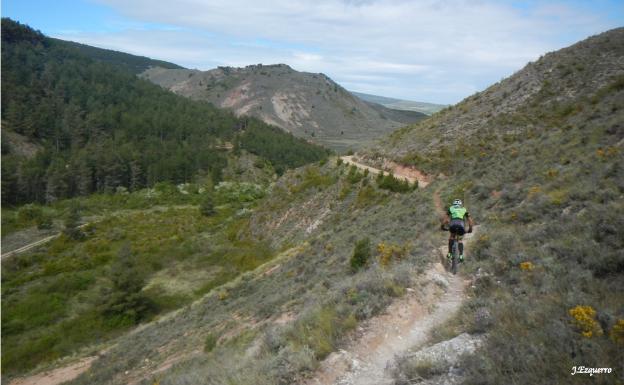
(455, 220)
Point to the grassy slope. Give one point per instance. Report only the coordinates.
(538, 159)
(180, 254)
(309, 277)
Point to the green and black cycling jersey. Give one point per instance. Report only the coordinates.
(458, 212)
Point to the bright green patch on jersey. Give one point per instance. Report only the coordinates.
(457, 212)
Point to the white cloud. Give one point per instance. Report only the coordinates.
(428, 50)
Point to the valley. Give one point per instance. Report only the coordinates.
(198, 245)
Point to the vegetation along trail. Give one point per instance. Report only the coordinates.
(403, 328)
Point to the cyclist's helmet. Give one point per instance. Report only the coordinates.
(457, 202)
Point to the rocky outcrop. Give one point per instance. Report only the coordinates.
(308, 105)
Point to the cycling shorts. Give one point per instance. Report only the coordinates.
(457, 227)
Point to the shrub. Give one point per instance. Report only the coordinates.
(388, 252)
(421, 368)
(321, 329)
(344, 192)
(390, 182)
(361, 254)
(210, 343)
(366, 196)
(29, 214)
(617, 332)
(44, 222)
(354, 175)
(312, 177)
(72, 223)
(234, 192)
(584, 319)
(206, 207)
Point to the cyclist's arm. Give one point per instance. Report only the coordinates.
(470, 222)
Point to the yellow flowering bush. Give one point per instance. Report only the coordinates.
(617, 332)
(606, 153)
(584, 319)
(527, 266)
(387, 252)
(534, 190)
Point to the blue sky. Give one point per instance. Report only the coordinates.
(426, 50)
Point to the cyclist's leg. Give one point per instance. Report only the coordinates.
(460, 233)
(450, 242)
(452, 237)
(461, 248)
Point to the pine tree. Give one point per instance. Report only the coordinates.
(124, 301)
(136, 175)
(206, 207)
(72, 223)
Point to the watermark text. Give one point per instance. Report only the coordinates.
(590, 371)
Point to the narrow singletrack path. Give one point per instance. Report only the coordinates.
(405, 325)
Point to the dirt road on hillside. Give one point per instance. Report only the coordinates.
(34, 244)
(58, 375)
(400, 171)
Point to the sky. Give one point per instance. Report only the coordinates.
(424, 50)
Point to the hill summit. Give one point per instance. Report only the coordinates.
(308, 105)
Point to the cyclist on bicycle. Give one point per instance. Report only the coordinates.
(455, 218)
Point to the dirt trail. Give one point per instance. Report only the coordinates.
(29, 246)
(35, 244)
(51, 237)
(56, 376)
(402, 172)
(405, 325)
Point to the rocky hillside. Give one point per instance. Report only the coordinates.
(560, 90)
(538, 159)
(309, 105)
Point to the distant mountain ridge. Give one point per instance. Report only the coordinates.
(308, 105)
(133, 63)
(73, 125)
(400, 104)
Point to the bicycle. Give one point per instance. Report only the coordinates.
(454, 249)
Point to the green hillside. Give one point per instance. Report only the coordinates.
(242, 277)
(133, 63)
(101, 128)
(158, 177)
(538, 159)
